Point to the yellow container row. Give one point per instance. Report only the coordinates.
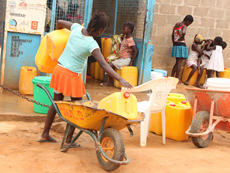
(178, 117)
(187, 70)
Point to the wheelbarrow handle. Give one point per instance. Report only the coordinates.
(127, 160)
(47, 92)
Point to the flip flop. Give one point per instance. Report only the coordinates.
(75, 145)
(48, 140)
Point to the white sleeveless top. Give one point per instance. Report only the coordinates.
(193, 55)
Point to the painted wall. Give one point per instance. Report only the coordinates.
(211, 18)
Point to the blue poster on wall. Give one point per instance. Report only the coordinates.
(21, 50)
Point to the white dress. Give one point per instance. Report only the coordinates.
(192, 58)
(205, 60)
(216, 62)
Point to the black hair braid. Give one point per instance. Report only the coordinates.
(97, 21)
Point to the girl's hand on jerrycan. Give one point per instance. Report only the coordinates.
(125, 84)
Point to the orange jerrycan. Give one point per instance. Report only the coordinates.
(129, 73)
(186, 73)
(56, 42)
(124, 104)
(44, 63)
(106, 51)
(27, 74)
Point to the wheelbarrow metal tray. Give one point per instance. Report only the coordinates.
(85, 115)
(204, 97)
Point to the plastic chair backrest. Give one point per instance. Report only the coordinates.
(160, 89)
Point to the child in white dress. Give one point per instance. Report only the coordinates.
(216, 62)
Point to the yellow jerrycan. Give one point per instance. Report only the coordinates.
(42, 60)
(92, 69)
(97, 66)
(178, 119)
(155, 124)
(50, 50)
(203, 78)
(176, 97)
(27, 74)
(225, 73)
(186, 73)
(129, 73)
(106, 51)
(56, 42)
(124, 104)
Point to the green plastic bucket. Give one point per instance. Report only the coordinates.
(40, 95)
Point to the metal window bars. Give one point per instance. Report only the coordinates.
(69, 10)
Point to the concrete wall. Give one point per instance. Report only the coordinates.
(211, 18)
(2, 17)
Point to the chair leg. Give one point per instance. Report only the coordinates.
(144, 130)
(149, 119)
(163, 125)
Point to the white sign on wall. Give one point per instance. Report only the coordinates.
(25, 16)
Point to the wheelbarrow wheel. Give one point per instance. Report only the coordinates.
(113, 144)
(200, 124)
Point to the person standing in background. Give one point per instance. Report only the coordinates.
(179, 49)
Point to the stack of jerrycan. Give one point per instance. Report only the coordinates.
(106, 51)
(178, 115)
(51, 47)
(124, 104)
(97, 66)
(95, 70)
(192, 81)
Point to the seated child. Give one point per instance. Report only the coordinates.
(194, 60)
(127, 54)
(216, 62)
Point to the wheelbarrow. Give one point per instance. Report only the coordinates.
(84, 115)
(210, 111)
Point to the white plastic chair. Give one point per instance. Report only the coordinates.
(160, 89)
